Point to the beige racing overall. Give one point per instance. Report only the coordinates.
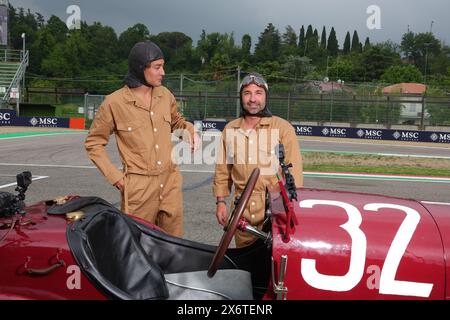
(241, 152)
(143, 133)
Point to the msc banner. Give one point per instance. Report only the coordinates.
(42, 122)
(209, 125)
(373, 134)
(341, 132)
(9, 118)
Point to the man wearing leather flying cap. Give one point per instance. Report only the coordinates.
(247, 143)
(142, 115)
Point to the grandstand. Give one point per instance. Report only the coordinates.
(13, 64)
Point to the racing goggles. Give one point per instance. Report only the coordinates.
(256, 79)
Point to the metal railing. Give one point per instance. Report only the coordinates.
(20, 73)
(383, 111)
(10, 55)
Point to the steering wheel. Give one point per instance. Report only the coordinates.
(231, 227)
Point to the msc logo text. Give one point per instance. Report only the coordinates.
(303, 130)
(5, 116)
(44, 121)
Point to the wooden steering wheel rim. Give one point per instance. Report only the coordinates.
(233, 223)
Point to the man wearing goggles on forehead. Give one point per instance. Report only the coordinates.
(246, 143)
(255, 78)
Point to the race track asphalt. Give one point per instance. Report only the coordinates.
(63, 167)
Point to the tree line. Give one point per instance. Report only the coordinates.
(95, 56)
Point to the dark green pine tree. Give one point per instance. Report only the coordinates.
(355, 41)
(309, 32)
(268, 46)
(367, 44)
(333, 45)
(347, 43)
(301, 38)
(323, 39)
(313, 43)
(289, 37)
(246, 45)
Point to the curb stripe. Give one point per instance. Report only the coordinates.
(5, 136)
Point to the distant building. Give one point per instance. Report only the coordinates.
(411, 112)
(406, 88)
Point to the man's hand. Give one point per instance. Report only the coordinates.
(195, 142)
(119, 185)
(222, 213)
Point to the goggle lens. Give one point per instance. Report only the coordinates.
(249, 79)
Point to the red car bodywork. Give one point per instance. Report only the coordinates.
(390, 248)
(344, 246)
(39, 246)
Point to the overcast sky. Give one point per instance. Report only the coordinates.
(241, 17)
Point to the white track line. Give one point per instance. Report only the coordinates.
(213, 133)
(47, 165)
(411, 156)
(373, 175)
(378, 144)
(347, 175)
(377, 154)
(81, 167)
(15, 183)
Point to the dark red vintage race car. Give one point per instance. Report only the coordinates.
(321, 245)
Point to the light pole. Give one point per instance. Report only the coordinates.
(238, 101)
(23, 57)
(23, 43)
(431, 26)
(426, 63)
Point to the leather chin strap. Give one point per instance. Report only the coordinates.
(133, 82)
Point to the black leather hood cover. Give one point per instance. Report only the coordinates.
(124, 258)
(106, 245)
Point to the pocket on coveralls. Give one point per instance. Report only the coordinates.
(130, 133)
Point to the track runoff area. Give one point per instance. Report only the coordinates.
(60, 166)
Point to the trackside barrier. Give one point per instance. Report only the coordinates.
(9, 118)
(353, 133)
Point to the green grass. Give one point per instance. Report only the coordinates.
(379, 170)
(69, 110)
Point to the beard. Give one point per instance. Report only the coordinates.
(253, 108)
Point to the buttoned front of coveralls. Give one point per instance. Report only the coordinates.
(235, 165)
(152, 182)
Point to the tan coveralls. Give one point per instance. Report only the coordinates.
(143, 134)
(239, 170)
